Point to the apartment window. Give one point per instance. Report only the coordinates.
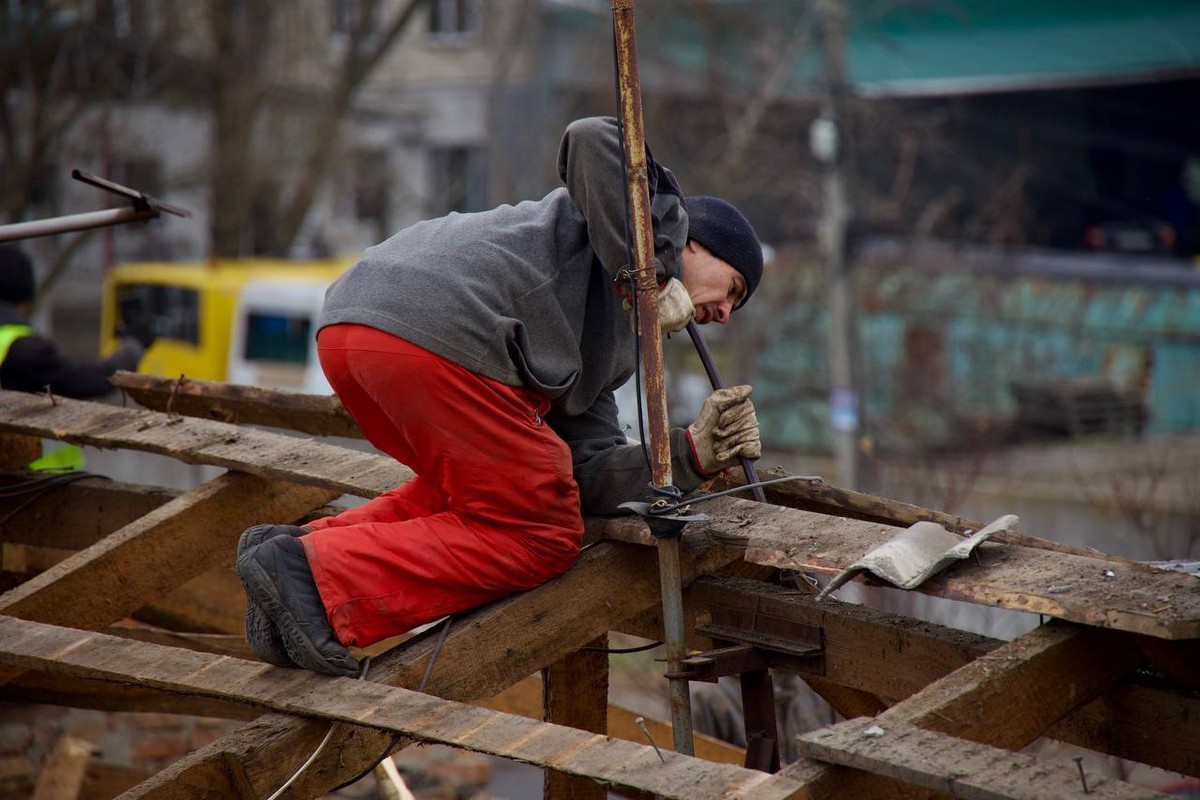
(459, 179)
(453, 19)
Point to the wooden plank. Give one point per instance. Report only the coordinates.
(1062, 585)
(59, 690)
(319, 415)
(486, 651)
(892, 656)
(825, 498)
(525, 698)
(75, 515)
(1006, 698)
(16, 451)
(1140, 720)
(575, 693)
(955, 767)
(179, 540)
(62, 775)
(197, 441)
(622, 765)
(172, 544)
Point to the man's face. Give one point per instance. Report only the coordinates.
(714, 287)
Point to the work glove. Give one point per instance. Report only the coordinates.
(726, 430)
(675, 307)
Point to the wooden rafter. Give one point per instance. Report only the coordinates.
(1006, 698)
(174, 543)
(486, 651)
(1007, 576)
(390, 710)
(956, 767)
(922, 676)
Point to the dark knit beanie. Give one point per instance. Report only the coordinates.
(727, 234)
(16, 276)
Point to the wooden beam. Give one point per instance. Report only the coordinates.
(319, 415)
(174, 543)
(62, 774)
(17, 451)
(872, 656)
(487, 650)
(575, 693)
(72, 692)
(75, 515)
(825, 498)
(1085, 589)
(622, 765)
(199, 441)
(955, 767)
(525, 698)
(1006, 698)
(1062, 585)
(179, 540)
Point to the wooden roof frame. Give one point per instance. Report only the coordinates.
(159, 555)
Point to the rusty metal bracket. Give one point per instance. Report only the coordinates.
(790, 645)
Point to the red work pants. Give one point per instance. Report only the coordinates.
(494, 508)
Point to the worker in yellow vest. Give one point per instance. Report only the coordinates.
(33, 363)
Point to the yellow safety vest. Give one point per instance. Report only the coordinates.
(9, 334)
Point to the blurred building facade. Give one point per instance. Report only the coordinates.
(1001, 128)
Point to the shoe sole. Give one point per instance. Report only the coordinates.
(264, 640)
(299, 647)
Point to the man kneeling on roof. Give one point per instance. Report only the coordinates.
(482, 351)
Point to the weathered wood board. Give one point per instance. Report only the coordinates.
(320, 415)
(956, 767)
(1134, 597)
(199, 441)
(1006, 698)
(616, 763)
(486, 651)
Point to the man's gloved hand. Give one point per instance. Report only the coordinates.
(726, 430)
(675, 307)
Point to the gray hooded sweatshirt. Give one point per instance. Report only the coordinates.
(526, 294)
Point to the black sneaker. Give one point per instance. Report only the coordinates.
(261, 634)
(277, 576)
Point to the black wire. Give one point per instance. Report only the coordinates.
(43, 487)
(621, 650)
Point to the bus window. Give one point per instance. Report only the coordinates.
(277, 337)
(175, 310)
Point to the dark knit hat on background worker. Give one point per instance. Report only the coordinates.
(727, 234)
(17, 283)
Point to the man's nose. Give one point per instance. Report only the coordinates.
(724, 309)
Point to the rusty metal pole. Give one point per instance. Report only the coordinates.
(637, 183)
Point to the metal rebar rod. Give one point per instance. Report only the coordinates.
(630, 99)
(73, 222)
(714, 378)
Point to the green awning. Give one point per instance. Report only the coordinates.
(962, 46)
(923, 47)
